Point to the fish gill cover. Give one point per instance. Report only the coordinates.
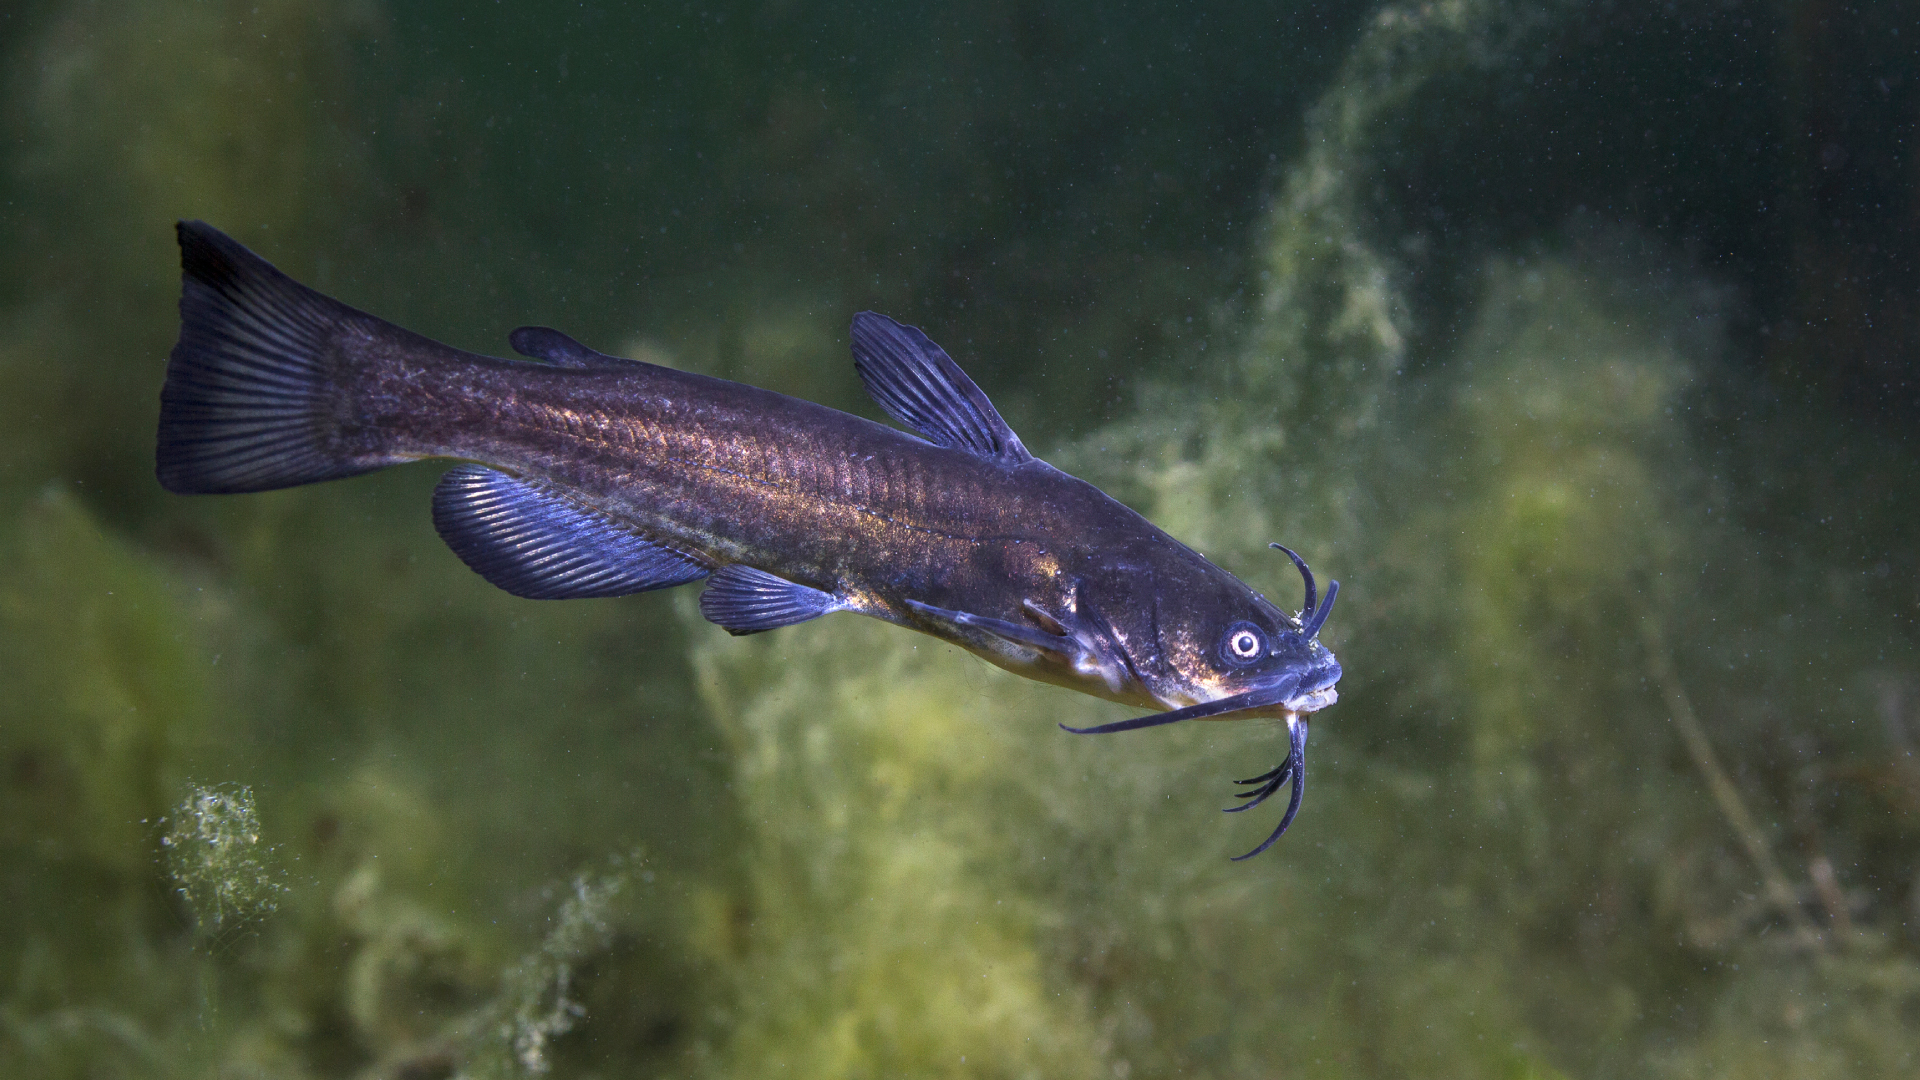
(1551, 371)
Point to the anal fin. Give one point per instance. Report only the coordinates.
(743, 600)
(535, 540)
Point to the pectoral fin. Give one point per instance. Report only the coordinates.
(1024, 636)
(742, 600)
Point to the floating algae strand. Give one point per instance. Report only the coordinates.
(538, 988)
(595, 992)
(214, 854)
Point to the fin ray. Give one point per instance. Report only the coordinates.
(250, 403)
(920, 386)
(1025, 636)
(741, 599)
(533, 540)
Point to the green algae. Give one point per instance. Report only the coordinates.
(877, 931)
(212, 843)
(104, 697)
(103, 706)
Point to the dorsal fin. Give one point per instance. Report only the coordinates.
(919, 385)
(552, 346)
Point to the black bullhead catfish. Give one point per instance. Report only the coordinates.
(584, 474)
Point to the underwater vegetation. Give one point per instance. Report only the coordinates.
(1569, 338)
(213, 851)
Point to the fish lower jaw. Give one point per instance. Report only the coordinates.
(1313, 702)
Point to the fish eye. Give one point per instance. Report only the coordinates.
(1243, 644)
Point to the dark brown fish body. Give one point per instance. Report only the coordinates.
(598, 475)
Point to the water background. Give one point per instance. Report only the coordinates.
(1577, 343)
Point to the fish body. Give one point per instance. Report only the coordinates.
(876, 517)
(592, 475)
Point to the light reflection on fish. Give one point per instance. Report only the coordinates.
(587, 475)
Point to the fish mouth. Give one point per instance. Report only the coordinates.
(1313, 696)
(1312, 702)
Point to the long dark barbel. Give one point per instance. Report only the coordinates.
(580, 474)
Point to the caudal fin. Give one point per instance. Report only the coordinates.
(252, 400)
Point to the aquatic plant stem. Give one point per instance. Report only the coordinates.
(1732, 807)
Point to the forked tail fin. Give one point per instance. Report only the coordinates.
(253, 398)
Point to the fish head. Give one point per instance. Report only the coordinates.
(1201, 643)
(1201, 635)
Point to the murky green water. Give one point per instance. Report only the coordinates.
(1578, 346)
